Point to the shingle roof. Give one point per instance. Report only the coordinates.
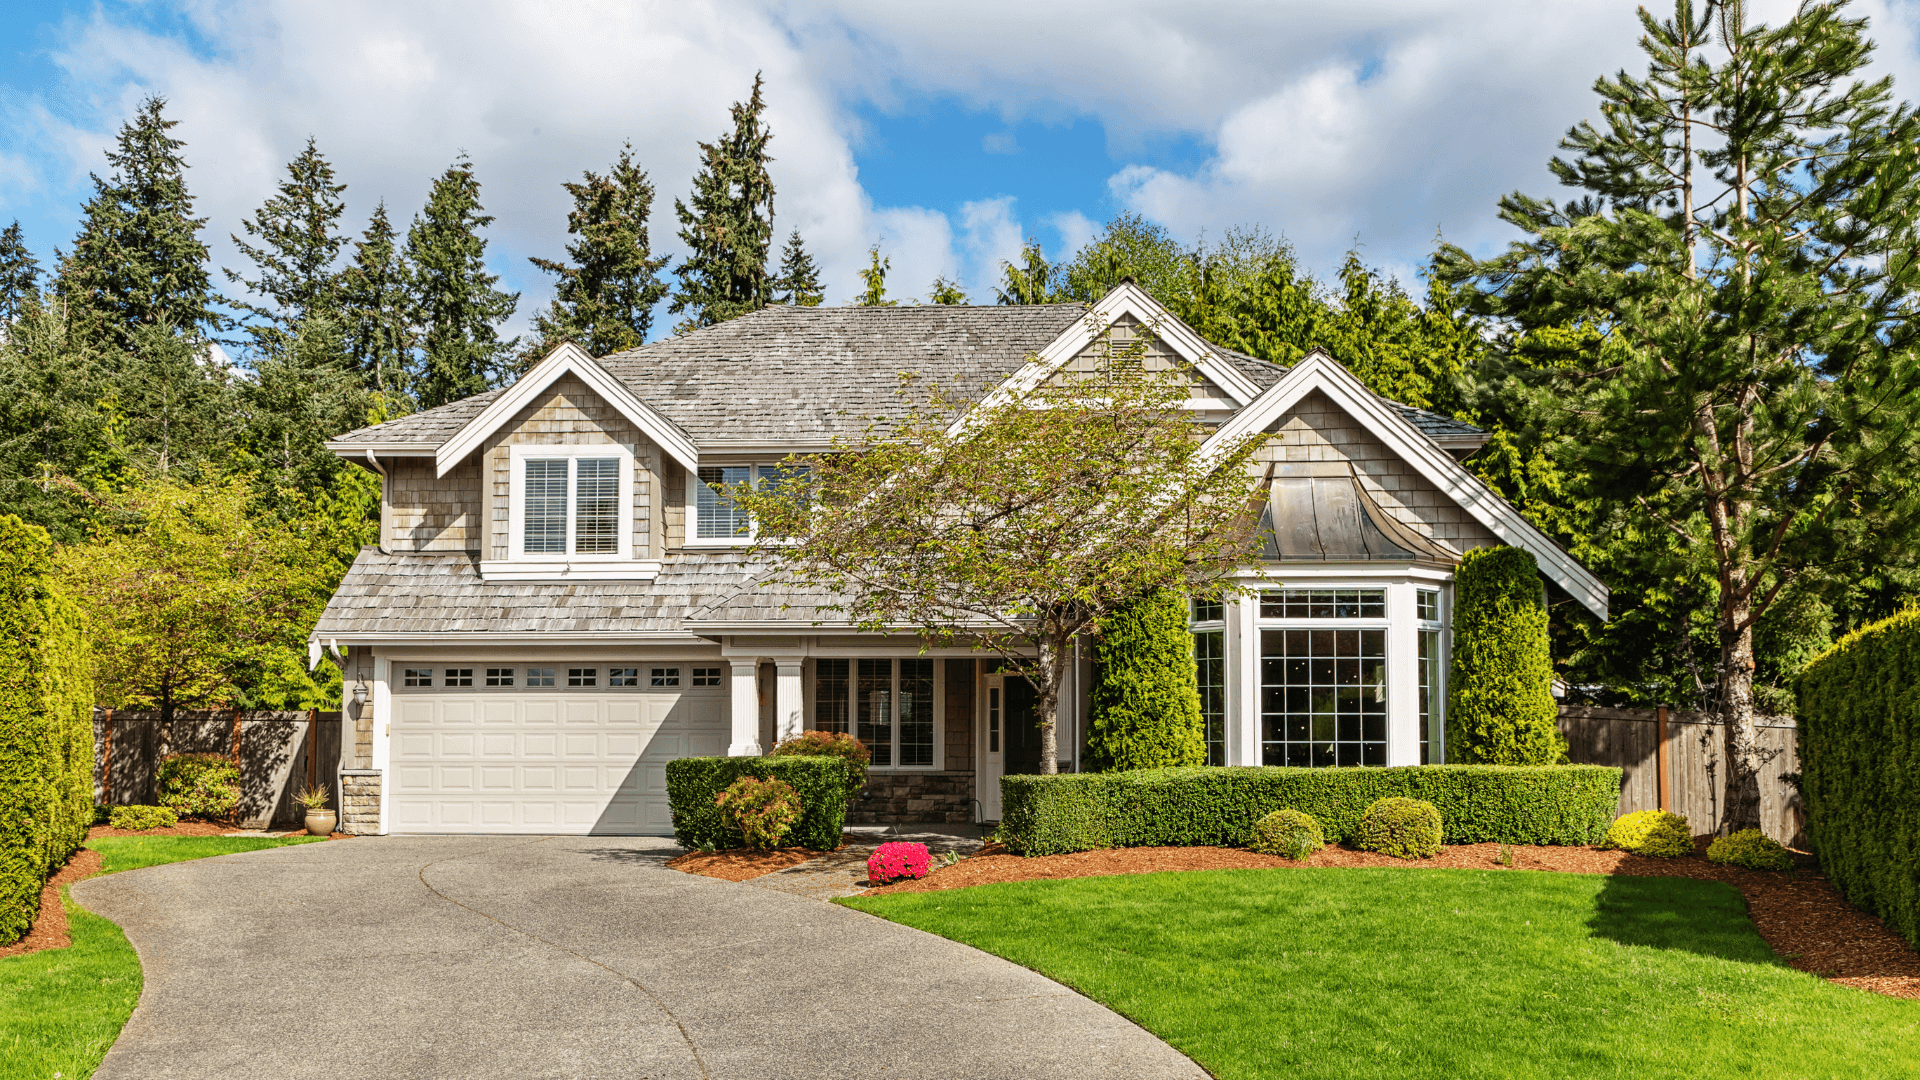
(428, 428)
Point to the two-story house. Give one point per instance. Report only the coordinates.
(560, 601)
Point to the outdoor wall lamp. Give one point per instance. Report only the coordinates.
(360, 693)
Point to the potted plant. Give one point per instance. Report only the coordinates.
(313, 800)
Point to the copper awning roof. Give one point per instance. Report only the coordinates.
(1320, 511)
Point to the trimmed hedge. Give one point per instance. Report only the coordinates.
(1858, 706)
(1500, 707)
(1401, 827)
(1144, 712)
(135, 818)
(692, 784)
(46, 725)
(1207, 805)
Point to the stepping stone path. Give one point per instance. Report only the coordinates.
(844, 872)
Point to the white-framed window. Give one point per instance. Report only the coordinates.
(714, 518)
(1323, 676)
(1433, 677)
(888, 704)
(1210, 673)
(570, 502)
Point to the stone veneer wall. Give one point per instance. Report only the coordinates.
(360, 801)
(893, 798)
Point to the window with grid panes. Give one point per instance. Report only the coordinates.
(891, 708)
(1323, 697)
(706, 676)
(457, 677)
(540, 676)
(623, 676)
(666, 676)
(416, 677)
(499, 676)
(1210, 672)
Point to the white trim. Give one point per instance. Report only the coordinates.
(381, 756)
(349, 449)
(542, 564)
(1318, 371)
(566, 570)
(564, 359)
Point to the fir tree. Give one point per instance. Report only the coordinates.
(1028, 283)
(943, 291)
(729, 226)
(799, 277)
(19, 275)
(171, 400)
(376, 309)
(874, 294)
(604, 301)
(454, 296)
(298, 243)
(303, 392)
(139, 260)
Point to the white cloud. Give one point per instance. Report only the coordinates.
(991, 236)
(1076, 231)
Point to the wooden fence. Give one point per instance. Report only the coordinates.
(278, 753)
(1689, 777)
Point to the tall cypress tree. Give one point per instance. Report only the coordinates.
(604, 301)
(299, 242)
(799, 277)
(1145, 708)
(19, 274)
(728, 229)
(139, 260)
(376, 310)
(455, 299)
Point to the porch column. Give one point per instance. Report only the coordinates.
(789, 716)
(1403, 675)
(746, 709)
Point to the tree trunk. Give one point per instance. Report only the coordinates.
(1740, 735)
(1054, 658)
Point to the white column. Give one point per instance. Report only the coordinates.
(789, 714)
(1243, 674)
(382, 701)
(746, 709)
(1403, 675)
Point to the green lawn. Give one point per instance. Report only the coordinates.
(61, 1009)
(1432, 973)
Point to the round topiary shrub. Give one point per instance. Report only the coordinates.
(1752, 849)
(831, 744)
(1289, 834)
(898, 860)
(1659, 833)
(136, 818)
(1401, 827)
(205, 786)
(763, 810)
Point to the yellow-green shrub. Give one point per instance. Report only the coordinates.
(1752, 849)
(1287, 833)
(203, 786)
(134, 818)
(1402, 828)
(1659, 833)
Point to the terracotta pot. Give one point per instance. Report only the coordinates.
(320, 822)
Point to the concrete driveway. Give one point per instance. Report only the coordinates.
(473, 957)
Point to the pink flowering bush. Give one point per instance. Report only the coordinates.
(894, 861)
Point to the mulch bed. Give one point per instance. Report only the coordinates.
(1799, 914)
(185, 828)
(740, 864)
(49, 929)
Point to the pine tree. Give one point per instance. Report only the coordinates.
(454, 296)
(139, 260)
(943, 291)
(604, 301)
(799, 277)
(172, 402)
(376, 310)
(299, 242)
(1028, 283)
(874, 294)
(1145, 708)
(728, 229)
(19, 275)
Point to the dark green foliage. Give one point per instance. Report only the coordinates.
(836, 744)
(51, 385)
(943, 291)
(1401, 827)
(1145, 707)
(604, 301)
(1031, 282)
(46, 725)
(728, 228)
(135, 818)
(205, 786)
(376, 302)
(19, 274)
(1500, 707)
(138, 260)
(1859, 717)
(1051, 815)
(303, 392)
(693, 784)
(169, 403)
(294, 241)
(455, 301)
(1287, 833)
(1752, 849)
(799, 282)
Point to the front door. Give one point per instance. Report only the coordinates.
(1009, 737)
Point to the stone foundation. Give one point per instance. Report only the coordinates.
(360, 801)
(914, 797)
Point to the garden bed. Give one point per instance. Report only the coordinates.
(49, 929)
(1798, 914)
(740, 864)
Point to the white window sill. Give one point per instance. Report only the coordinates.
(719, 542)
(577, 569)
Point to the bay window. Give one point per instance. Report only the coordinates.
(1323, 677)
(1210, 674)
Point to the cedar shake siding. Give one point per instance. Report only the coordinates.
(425, 512)
(571, 414)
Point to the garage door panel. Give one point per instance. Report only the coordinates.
(544, 762)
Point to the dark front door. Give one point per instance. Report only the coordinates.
(1023, 730)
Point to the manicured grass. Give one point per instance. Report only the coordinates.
(1432, 973)
(61, 1009)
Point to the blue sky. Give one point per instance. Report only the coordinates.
(944, 132)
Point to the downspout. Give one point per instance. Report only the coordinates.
(374, 464)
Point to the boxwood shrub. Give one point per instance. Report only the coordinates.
(693, 782)
(1518, 804)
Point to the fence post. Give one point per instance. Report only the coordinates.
(236, 738)
(106, 765)
(313, 744)
(1660, 753)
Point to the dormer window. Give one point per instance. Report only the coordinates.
(571, 502)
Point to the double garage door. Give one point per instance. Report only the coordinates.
(561, 761)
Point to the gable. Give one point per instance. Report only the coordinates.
(1119, 338)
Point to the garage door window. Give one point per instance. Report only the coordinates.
(416, 677)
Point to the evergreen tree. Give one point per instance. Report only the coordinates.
(298, 243)
(1145, 707)
(1500, 708)
(51, 426)
(1029, 283)
(171, 401)
(454, 296)
(303, 392)
(604, 301)
(943, 291)
(138, 260)
(19, 275)
(799, 277)
(874, 292)
(376, 311)
(728, 229)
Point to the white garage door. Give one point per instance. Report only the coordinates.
(555, 762)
